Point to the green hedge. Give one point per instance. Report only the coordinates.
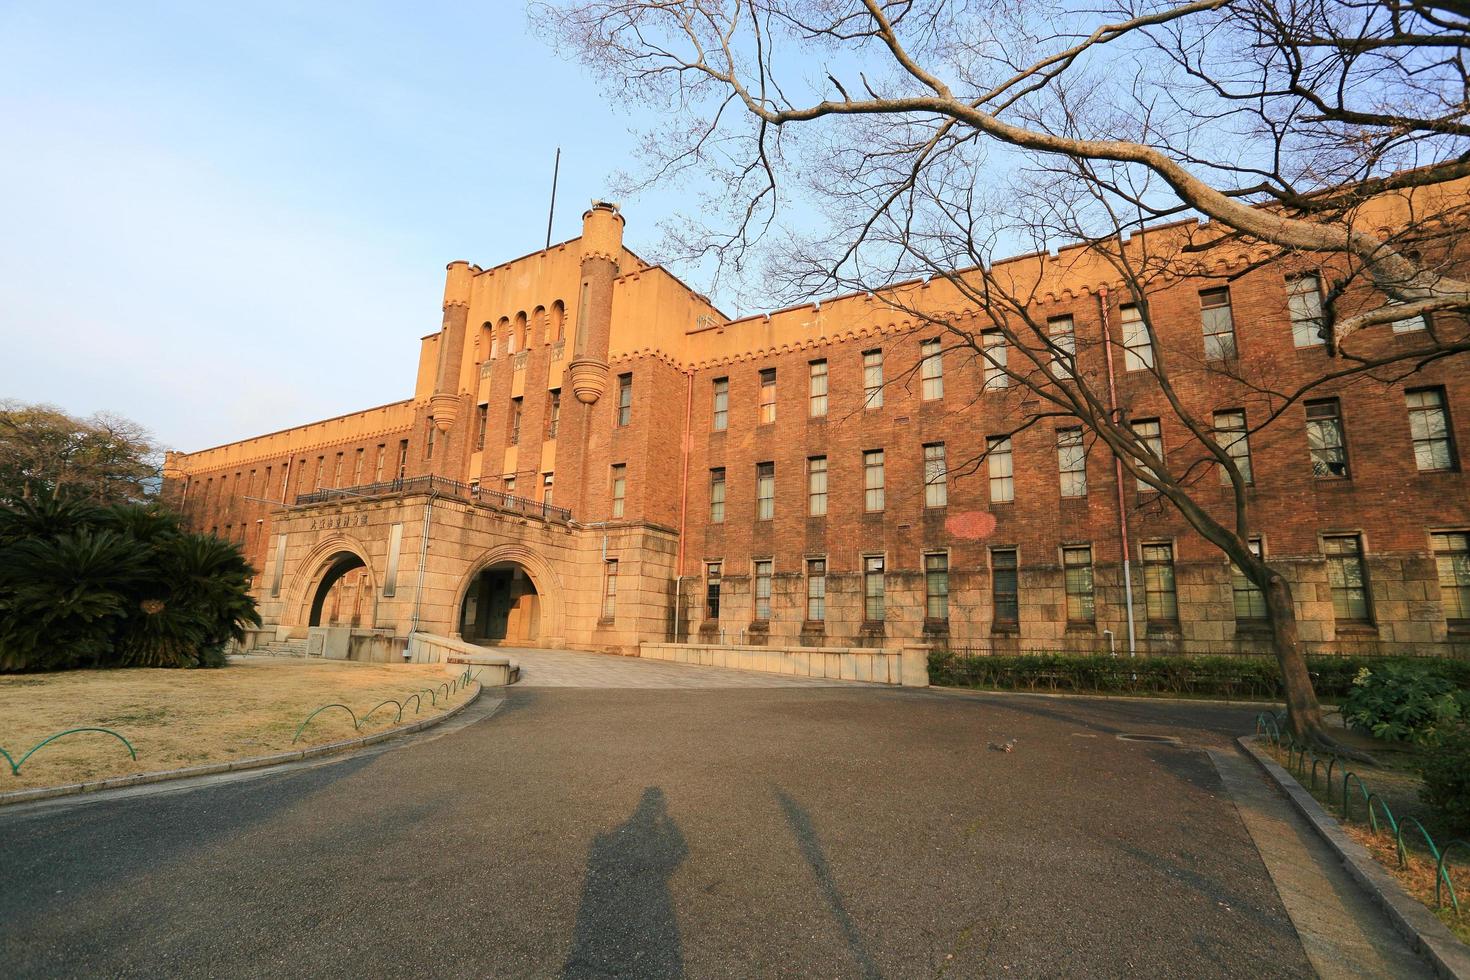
(1221, 677)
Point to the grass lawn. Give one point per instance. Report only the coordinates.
(177, 718)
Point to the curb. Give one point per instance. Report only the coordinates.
(236, 765)
(1430, 937)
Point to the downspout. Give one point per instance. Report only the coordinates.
(1102, 298)
(683, 501)
(418, 592)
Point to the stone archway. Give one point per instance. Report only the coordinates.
(510, 596)
(336, 587)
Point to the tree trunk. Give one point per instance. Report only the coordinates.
(1303, 713)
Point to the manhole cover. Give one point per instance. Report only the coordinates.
(1135, 737)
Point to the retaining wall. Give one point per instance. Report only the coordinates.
(909, 667)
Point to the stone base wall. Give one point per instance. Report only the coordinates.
(908, 667)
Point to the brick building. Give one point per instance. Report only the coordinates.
(591, 446)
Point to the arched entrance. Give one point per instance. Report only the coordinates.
(501, 605)
(343, 597)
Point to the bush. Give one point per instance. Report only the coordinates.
(1404, 703)
(1446, 772)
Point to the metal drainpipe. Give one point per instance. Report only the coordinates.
(683, 501)
(418, 593)
(1102, 298)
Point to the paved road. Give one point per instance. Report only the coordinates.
(804, 831)
(566, 668)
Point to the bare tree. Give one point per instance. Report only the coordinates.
(45, 452)
(924, 139)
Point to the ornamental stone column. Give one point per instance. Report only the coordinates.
(444, 403)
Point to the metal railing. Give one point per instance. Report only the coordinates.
(1247, 647)
(442, 486)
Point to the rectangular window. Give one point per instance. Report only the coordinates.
(625, 400)
(1250, 601)
(1151, 434)
(931, 370)
(336, 472)
(767, 397)
(609, 590)
(508, 484)
(1230, 436)
(482, 420)
(873, 480)
(382, 458)
(1063, 334)
(356, 469)
(516, 405)
(321, 468)
(1452, 562)
(936, 476)
(993, 350)
(1072, 462)
(1077, 578)
(1325, 440)
(816, 486)
(818, 398)
(1304, 303)
(872, 379)
(873, 588)
(402, 458)
(763, 589)
(1161, 602)
(1217, 324)
(1411, 324)
(553, 412)
(712, 571)
(816, 590)
(1005, 598)
(936, 587)
(1138, 349)
(1348, 578)
(429, 436)
(619, 488)
(765, 491)
(1001, 467)
(717, 495)
(548, 482)
(720, 417)
(1429, 427)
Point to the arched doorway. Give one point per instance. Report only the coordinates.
(343, 596)
(501, 605)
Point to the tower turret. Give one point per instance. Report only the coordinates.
(602, 245)
(444, 403)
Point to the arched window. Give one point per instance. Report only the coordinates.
(558, 321)
(520, 331)
(538, 326)
(487, 341)
(503, 336)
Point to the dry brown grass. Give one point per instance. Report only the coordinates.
(1417, 878)
(177, 718)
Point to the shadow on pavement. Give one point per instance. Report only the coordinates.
(626, 924)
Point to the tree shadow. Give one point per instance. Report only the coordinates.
(626, 924)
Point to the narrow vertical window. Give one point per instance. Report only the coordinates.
(717, 495)
(516, 405)
(356, 468)
(336, 472)
(1217, 324)
(1249, 600)
(619, 488)
(1452, 563)
(1151, 434)
(382, 458)
(873, 588)
(720, 416)
(1000, 465)
(548, 481)
(482, 421)
(767, 412)
(936, 587)
(993, 349)
(931, 370)
(1063, 333)
(553, 412)
(1304, 304)
(609, 590)
(1325, 440)
(508, 484)
(765, 491)
(1138, 349)
(712, 570)
(1072, 462)
(873, 480)
(1005, 599)
(1161, 602)
(816, 590)
(817, 407)
(402, 458)
(1348, 579)
(1230, 435)
(936, 476)
(625, 400)
(763, 589)
(816, 486)
(872, 379)
(1429, 428)
(429, 437)
(1077, 580)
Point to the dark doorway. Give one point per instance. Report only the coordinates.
(342, 593)
(501, 605)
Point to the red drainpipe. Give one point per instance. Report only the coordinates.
(683, 500)
(1102, 298)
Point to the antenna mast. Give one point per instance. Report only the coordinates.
(555, 172)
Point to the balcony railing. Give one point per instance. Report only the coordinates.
(496, 499)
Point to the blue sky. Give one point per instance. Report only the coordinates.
(221, 221)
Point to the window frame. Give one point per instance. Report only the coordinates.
(816, 601)
(717, 490)
(873, 493)
(1447, 439)
(931, 595)
(624, 416)
(1306, 316)
(760, 606)
(870, 570)
(618, 490)
(765, 479)
(813, 471)
(720, 405)
(1340, 560)
(1136, 338)
(1079, 586)
(1002, 599)
(931, 370)
(766, 398)
(872, 393)
(712, 583)
(817, 378)
(1007, 479)
(936, 484)
(1214, 330)
(1323, 405)
(1072, 462)
(1242, 459)
(1157, 616)
(1460, 623)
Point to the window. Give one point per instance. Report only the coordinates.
(873, 588)
(609, 589)
(1072, 462)
(936, 476)
(1217, 324)
(816, 590)
(553, 413)
(1411, 324)
(1005, 600)
(768, 397)
(1348, 578)
(1230, 436)
(816, 486)
(1002, 473)
(625, 400)
(818, 400)
(712, 571)
(402, 458)
(482, 419)
(1429, 427)
(936, 587)
(619, 488)
(1250, 601)
(548, 480)
(1138, 350)
(872, 379)
(763, 589)
(993, 347)
(516, 404)
(720, 418)
(1325, 439)
(1161, 602)
(1304, 303)
(873, 480)
(765, 491)
(717, 495)
(433, 431)
(1077, 579)
(1452, 561)
(336, 472)
(1063, 334)
(508, 484)
(378, 468)
(1151, 435)
(356, 469)
(931, 370)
